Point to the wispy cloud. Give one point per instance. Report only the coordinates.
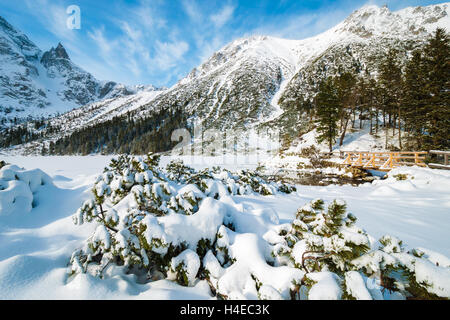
(304, 25)
(105, 45)
(168, 54)
(221, 18)
(192, 10)
(143, 45)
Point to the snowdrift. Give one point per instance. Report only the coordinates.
(17, 189)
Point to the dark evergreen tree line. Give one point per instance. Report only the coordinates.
(123, 135)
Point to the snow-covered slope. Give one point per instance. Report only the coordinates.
(38, 84)
(103, 110)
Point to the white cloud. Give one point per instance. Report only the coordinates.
(132, 33)
(192, 10)
(147, 15)
(105, 45)
(169, 54)
(221, 18)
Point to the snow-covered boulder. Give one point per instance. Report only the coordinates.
(17, 189)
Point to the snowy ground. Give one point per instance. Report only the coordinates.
(35, 247)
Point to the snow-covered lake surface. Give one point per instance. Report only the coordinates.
(35, 247)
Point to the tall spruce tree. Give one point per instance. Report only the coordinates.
(391, 81)
(415, 98)
(346, 94)
(437, 64)
(327, 106)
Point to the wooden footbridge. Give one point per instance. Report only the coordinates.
(386, 161)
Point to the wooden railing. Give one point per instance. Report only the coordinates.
(446, 155)
(384, 161)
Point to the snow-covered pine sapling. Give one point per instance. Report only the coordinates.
(153, 198)
(178, 171)
(199, 178)
(267, 292)
(407, 273)
(335, 255)
(184, 268)
(222, 247)
(326, 239)
(354, 287)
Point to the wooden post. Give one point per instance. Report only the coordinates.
(388, 163)
(371, 162)
(446, 159)
(359, 160)
(348, 160)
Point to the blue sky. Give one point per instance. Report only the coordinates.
(159, 41)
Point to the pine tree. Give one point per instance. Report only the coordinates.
(327, 112)
(415, 97)
(346, 94)
(391, 82)
(437, 61)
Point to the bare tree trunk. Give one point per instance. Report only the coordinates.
(394, 121)
(376, 122)
(399, 129)
(371, 122)
(341, 141)
(354, 119)
(386, 131)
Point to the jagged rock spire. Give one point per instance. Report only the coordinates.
(60, 52)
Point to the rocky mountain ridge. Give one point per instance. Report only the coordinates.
(35, 84)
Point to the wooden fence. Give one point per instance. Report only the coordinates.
(384, 161)
(446, 155)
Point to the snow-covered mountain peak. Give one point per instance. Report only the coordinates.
(371, 20)
(244, 49)
(56, 53)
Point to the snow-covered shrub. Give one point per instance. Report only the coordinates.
(408, 272)
(184, 267)
(341, 263)
(18, 187)
(176, 170)
(325, 239)
(154, 221)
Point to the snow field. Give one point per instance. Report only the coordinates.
(37, 244)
